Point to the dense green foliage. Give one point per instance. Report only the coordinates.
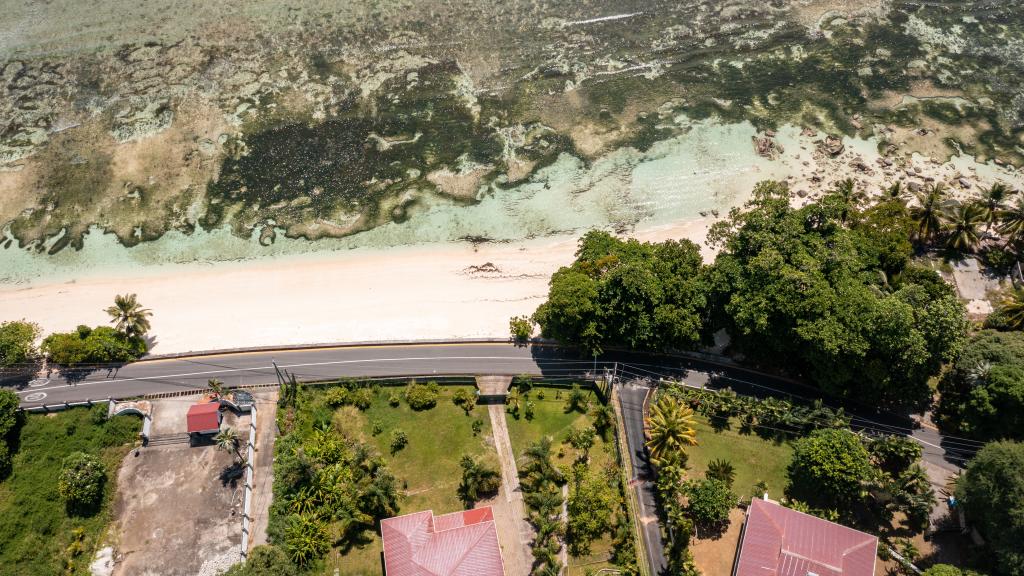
(479, 479)
(464, 399)
(992, 495)
(948, 570)
(830, 468)
(92, 346)
(37, 534)
(81, 482)
(264, 560)
(983, 393)
(542, 493)
(709, 501)
(592, 503)
(832, 298)
(9, 415)
(826, 289)
(421, 396)
(18, 343)
(328, 490)
(626, 293)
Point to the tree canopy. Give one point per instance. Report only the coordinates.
(829, 469)
(17, 343)
(81, 482)
(983, 393)
(992, 494)
(92, 346)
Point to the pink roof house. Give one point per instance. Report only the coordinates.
(778, 541)
(456, 544)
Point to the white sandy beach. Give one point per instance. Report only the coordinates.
(399, 294)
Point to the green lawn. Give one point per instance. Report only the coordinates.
(36, 534)
(428, 466)
(753, 457)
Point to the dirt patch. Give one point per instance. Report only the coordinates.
(810, 12)
(174, 512)
(716, 555)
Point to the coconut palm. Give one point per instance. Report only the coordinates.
(993, 201)
(1012, 221)
(215, 386)
(927, 213)
(895, 192)
(723, 470)
(963, 220)
(477, 479)
(128, 316)
(851, 196)
(227, 440)
(670, 427)
(1012, 310)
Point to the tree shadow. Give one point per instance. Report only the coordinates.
(231, 474)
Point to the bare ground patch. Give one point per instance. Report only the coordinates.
(716, 555)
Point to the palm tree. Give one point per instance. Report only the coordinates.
(851, 196)
(477, 479)
(1012, 310)
(670, 428)
(993, 201)
(928, 212)
(128, 316)
(894, 192)
(723, 470)
(216, 387)
(603, 416)
(1012, 226)
(964, 220)
(227, 440)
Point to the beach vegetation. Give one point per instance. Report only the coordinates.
(18, 343)
(521, 328)
(991, 492)
(92, 346)
(128, 316)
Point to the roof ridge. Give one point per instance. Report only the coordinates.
(860, 544)
(469, 548)
(813, 561)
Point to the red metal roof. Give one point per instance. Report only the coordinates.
(778, 541)
(457, 544)
(203, 417)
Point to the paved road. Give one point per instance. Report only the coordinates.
(633, 398)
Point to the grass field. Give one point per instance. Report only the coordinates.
(753, 457)
(37, 536)
(428, 466)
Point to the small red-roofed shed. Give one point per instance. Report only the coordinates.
(204, 418)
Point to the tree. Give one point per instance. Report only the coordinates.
(963, 221)
(464, 399)
(81, 481)
(420, 396)
(604, 418)
(306, 539)
(128, 316)
(228, 441)
(478, 480)
(722, 470)
(982, 395)
(578, 401)
(850, 196)
(18, 343)
(991, 492)
(927, 213)
(581, 439)
(1012, 221)
(671, 428)
(9, 414)
(591, 506)
(215, 386)
(264, 560)
(521, 328)
(709, 501)
(993, 202)
(830, 469)
(1011, 310)
(92, 346)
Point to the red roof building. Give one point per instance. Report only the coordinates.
(778, 541)
(457, 544)
(204, 418)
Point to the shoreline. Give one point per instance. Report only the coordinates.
(413, 293)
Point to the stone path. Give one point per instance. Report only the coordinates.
(510, 511)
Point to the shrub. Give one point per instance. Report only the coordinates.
(421, 397)
(81, 482)
(399, 439)
(9, 414)
(529, 409)
(521, 328)
(394, 400)
(376, 427)
(464, 399)
(98, 413)
(92, 346)
(265, 560)
(18, 343)
(337, 397)
(478, 426)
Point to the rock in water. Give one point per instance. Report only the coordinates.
(833, 145)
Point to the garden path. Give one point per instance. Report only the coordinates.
(514, 531)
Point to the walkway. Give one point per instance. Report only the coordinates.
(510, 510)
